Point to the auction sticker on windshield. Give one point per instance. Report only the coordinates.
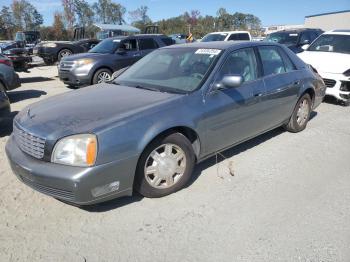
(208, 51)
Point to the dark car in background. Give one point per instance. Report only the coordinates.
(146, 130)
(295, 39)
(4, 104)
(112, 54)
(9, 79)
(52, 52)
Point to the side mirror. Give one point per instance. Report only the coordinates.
(230, 81)
(304, 47)
(305, 42)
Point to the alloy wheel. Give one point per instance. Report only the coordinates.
(165, 166)
(103, 77)
(303, 112)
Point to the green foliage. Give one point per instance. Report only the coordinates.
(22, 15)
(108, 12)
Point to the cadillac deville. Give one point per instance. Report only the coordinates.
(147, 129)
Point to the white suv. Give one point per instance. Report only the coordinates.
(227, 36)
(329, 54)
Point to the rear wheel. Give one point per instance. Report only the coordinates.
(63, 53)
(102, 76)
(301, 115)
(165, 166)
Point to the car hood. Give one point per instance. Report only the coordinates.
(84, 55)
(88, 110)
(327, 62)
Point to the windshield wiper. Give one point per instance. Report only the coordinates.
(147, 88)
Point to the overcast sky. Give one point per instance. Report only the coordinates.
(269, 11)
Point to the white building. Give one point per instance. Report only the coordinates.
(329, 21)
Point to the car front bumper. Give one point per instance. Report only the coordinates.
(69, 78)
(338, 85)
(76, 185)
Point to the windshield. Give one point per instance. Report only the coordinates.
(332, 43)
(283, 38)
(179, 70)
(20, 36)
(214, 37)
(107, 46)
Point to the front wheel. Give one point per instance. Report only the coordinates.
(63, 53)
(165, 166)
(103, 75)
(301, 115)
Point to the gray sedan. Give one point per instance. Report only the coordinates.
(146, 131)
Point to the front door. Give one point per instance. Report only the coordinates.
(234, 114)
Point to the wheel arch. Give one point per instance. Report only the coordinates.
(311, 93)
(186, 131)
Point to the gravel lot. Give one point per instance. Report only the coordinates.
(287, 201)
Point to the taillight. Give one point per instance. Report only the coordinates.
(6, 62)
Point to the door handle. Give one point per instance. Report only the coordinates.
(258, 94)
(296, 83)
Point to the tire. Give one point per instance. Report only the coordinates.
(166, 175)
(63, 53)
(48, 62)
(98, 76)
(301, 115)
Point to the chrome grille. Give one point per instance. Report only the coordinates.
(29, 143)
(329, 82)
(66, 65)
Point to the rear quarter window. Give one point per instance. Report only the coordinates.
(147, 43)
(168, 40)
(239, 37)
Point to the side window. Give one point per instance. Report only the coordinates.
(241, 62)
(271, 60)
(147, 43)
(129, 45)
(288, 64)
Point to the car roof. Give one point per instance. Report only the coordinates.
(223, 45)
(229, 32)
(138, 35)
(338, 32)
(297, 30)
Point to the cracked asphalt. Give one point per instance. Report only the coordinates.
(278, 197)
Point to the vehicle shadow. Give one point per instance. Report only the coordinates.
(6, 125)
(112, 204)
(212, 161)
(16, 96)
(26, 80)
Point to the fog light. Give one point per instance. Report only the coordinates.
(105, 189)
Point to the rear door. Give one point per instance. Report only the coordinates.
(282, 84)
(147, 45)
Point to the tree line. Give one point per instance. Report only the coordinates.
(22, 15)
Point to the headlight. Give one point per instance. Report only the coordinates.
(7, 52)
(347, 73)
(82, 62)
(77, 150)
(49, 45)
